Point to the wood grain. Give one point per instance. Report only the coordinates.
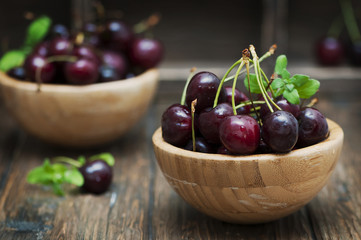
(79, 115)
(142, 205)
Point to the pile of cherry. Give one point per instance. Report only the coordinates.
(100, 53)
(207, 121)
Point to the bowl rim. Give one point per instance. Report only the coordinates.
(8, 81)
(336, 135)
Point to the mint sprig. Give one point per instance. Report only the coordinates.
(36, 32)
(295, 87)
(57, 173)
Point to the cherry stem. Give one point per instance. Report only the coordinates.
(59, 58)
(246, 103)
(234, 87)
(249, 89)
(222, 81)
(336, 27)
(147, 24)
(191, 74)
(193, 109)
(312, 103)
(350, 20)
(67, 160)
(266, 55)
(268, 82)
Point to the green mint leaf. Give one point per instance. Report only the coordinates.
(37, 30)
(298, 79)
(39, 176)
(12, 59)
(281, 63)
(285, 74)
(73, 176)
(292, 96)
(253, 83)
(82, 160)
(279, 92)
(309, 88)
(289, 87)
(277, 83)
(57, 189)
(107, 157)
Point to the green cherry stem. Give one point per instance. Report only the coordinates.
(222, 81)
(246, 103)
(336, 27)
(350, 20)
(67, 160)
(234, 87)
(191, 74)
(268, 83)
(193, 109)
(60, 58)
(265, 91)
(257, 72)
(270, 52)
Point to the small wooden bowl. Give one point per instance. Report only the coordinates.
(249, 189)
(79, 115)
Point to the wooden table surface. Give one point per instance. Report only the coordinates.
(141, 205)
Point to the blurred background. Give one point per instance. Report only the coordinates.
(206, 34)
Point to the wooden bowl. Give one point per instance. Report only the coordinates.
(249, 189)
(79, 115)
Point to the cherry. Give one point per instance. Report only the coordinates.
(59, 30)
(117, 35)
(201, 145)
(91, 35)
(238, 98)
(86, 52)
(108, 73)
(117, 61)
(263, 147)
(177, 125)
(284, 105)
(240, 134)
(329, 51)
(59, 46)
(97, 175)
(33, 62)
(313, 127)
(210, 119)
(80, 72)
(41, 49)
(146, 53)
(203, 87)
(280, 131)
(17, 72)
(223, 150)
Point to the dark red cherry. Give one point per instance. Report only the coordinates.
(146, 53)
(238, 98)
(313, 127)
(59, 46)
(86, 52)
(280, 131)
(263, 147)
(240, 134)
(284, 105)
(177, 125)
(210, 119)
(223, 150)
(108, 74)
(203, 87)
(117, 61)
(80, 72)
(201, 145)
(117, 35)
(33, 62)
(329, 51)
(41, 49)
(97, 175)
(59, 30)
(17, 72)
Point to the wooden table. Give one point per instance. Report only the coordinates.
(141, 205)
